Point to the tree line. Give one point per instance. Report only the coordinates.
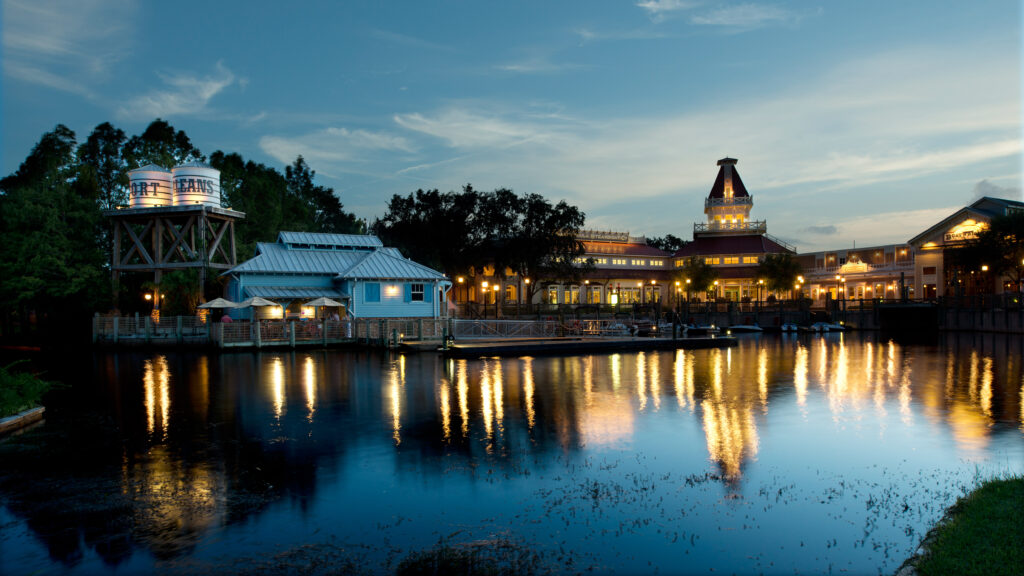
(56, 242)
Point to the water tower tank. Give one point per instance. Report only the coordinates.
(149, 187)
(196, 183)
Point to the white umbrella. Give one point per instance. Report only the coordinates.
(256, 301)
(219, 303)
(322, 301)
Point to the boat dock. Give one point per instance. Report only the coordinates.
(576, 345)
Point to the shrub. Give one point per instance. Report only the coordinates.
(19, 390)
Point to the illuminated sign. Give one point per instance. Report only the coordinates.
(966, 230)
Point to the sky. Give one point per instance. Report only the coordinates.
(854, 122)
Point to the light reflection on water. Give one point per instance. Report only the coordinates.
(740, 459)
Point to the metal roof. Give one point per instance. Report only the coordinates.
(622, 249)
(150, 168)
(277, 258)
(277, 293)
(335, 241)
(381, 264)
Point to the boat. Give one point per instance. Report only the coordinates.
(788, 327)
(742, 328)
(825, 327)
(701, 329)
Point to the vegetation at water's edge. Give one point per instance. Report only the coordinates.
(19, 390)
(983, 533)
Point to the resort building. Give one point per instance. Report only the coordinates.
(626, 270)
(730, 241)
(371, 280)
(874, 272)
(933, 274)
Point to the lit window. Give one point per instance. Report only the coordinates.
(711, 261)
(750, 259)
(731, 260)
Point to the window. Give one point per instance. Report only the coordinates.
(510, 293)
(750, 259)
(711, 261)
(416, 292)
(595, 295)
(680, 263)
(371, 292)
(927, 270)
(619, 261)
(731, 260)
(552, 295)
(572, 295)
(638, 262)
(657, 262)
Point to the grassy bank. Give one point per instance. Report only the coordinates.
(983, 533)
(19, 390)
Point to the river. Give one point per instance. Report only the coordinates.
(788, 454)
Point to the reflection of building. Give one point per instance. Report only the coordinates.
(730, 241)
(371, 280)
(934, 276)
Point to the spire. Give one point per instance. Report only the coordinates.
(728, 183)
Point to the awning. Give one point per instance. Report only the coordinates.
(282, 293)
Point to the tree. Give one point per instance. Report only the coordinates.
(51, 263)
(668, 243)
(700, 274)
(103, 166)
(160, 144)
(779, 271)
(317, 207)
(1000, 247)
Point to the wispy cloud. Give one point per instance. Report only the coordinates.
(406, 40)
(67, 45)
(540, 65)
(864, 126)
(745, 17)
(827, 230)
(183, 94)
(659, 9)
(334, 146)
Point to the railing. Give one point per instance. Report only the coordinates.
(734, 201)
(462, 329)
(758, 226)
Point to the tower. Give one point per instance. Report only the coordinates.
(174, 221)
(728, 204)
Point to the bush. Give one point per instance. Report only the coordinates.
(19, 390)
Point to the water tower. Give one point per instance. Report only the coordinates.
(174, 221)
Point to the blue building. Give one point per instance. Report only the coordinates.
(371, 280)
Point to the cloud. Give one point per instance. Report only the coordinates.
(405, 40)
(67, 45)
(539, 65)
(658, 9)
(463, 128)
(333, 146)
(822, 230)
(745, 17)
(986, 188)
(182, 95)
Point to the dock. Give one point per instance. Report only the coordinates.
(577, 345)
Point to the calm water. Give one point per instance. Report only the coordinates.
(804, 454)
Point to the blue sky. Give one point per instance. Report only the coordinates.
(860, 121)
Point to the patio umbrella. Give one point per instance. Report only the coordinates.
(219, 303)
(321, 301)
(255, 302)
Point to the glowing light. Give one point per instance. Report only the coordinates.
(277, 386)
(156, 381)
(641, 384)
(528, 391)
(800, 375)
(463, 389)
(309, 383)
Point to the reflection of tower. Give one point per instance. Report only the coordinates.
(174, 221)
(731, 435)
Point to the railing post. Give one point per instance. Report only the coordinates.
(323, 331)
(179, 335)
(259, 333)
(147, 330)
(420, 335)
(290, 326)
(116, 322)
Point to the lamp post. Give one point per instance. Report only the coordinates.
(496, 289)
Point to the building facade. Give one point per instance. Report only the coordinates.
(371, 280)
(729, 240)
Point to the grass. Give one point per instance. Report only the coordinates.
(488, 558)
(19, 390)
(983, 533)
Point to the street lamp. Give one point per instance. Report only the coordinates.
(760, 284)
(497, 288)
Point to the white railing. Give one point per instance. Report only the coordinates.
(759, 226)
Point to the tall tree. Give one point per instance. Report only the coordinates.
(103, 165)
(51, 262)
(160, 144)
(545, 245)
(317, 207)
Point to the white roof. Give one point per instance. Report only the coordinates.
(383, 263)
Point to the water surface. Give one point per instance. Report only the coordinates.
(786, 454)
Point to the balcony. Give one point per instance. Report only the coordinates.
(751, 227)
(734, 201)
